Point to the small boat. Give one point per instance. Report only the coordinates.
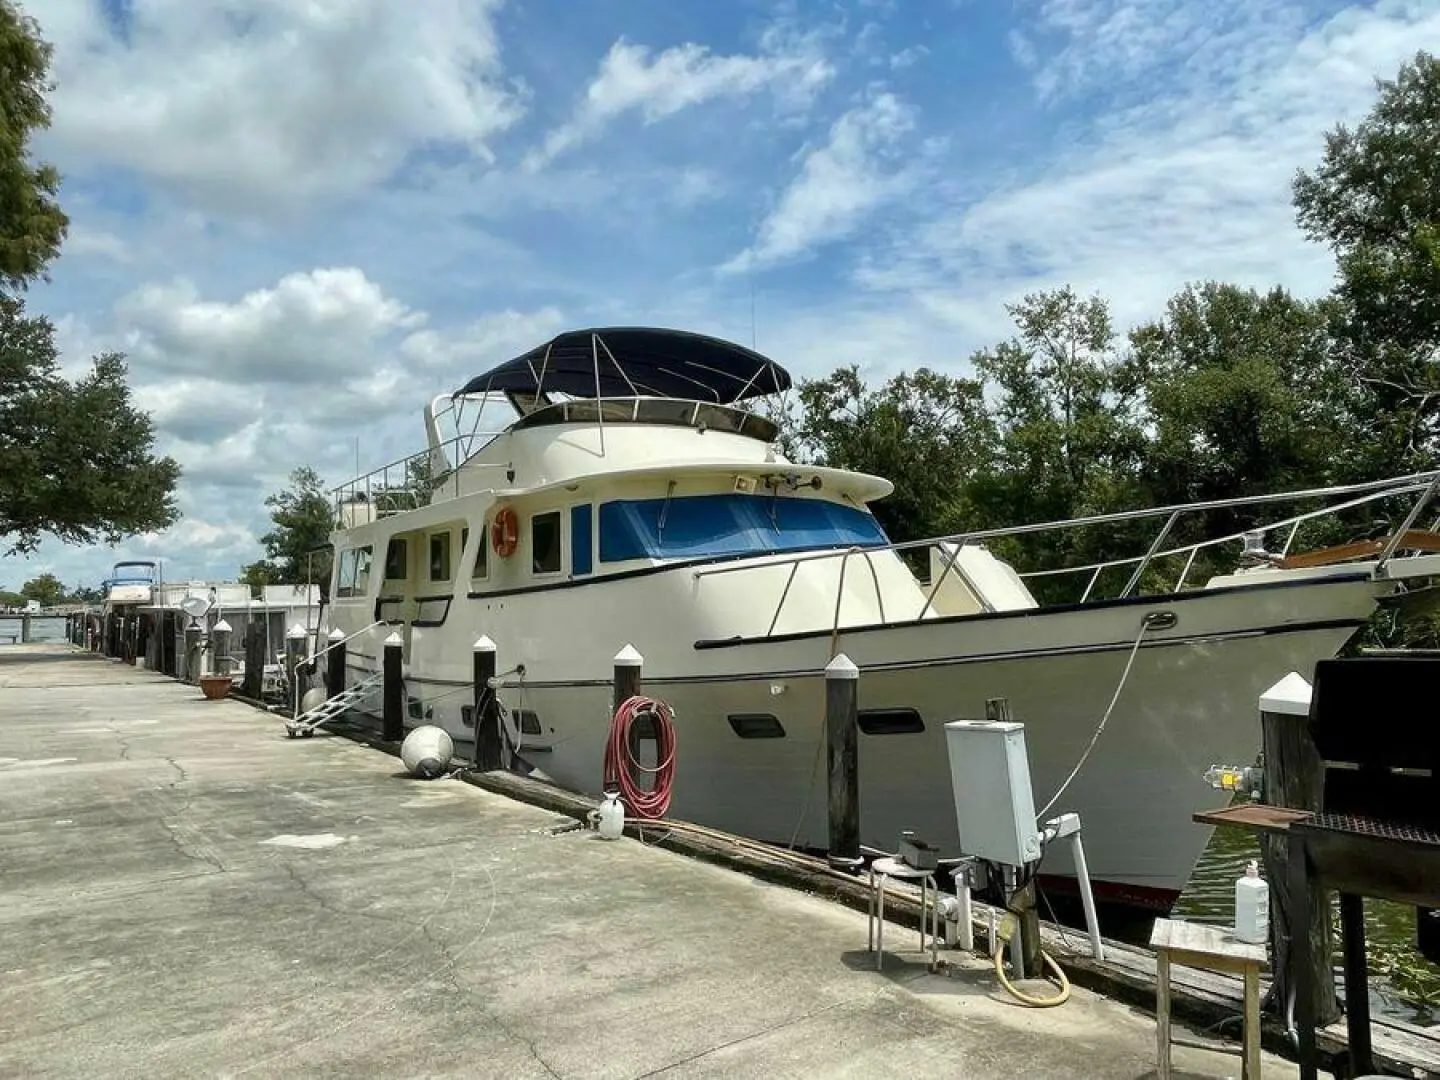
(131, 582)
(632, 499)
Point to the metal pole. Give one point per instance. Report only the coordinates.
(485, 711)
(1087, 899)
(842, 744)
(394, 690)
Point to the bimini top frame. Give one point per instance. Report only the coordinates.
(631, 361)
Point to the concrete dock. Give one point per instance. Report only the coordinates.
(186, 892)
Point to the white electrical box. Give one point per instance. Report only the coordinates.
(990, 776)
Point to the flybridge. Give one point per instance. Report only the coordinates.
(629, 361)
(599, 376)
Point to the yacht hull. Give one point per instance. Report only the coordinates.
(1188, 700)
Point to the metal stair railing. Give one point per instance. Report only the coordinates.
(335, 707)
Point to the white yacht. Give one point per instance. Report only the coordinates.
(631, 499)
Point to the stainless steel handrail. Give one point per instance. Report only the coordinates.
(335, 644)
(1380, 488)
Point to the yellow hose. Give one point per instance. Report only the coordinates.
(1020, 995)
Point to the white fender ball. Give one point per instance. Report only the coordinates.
(426, 751)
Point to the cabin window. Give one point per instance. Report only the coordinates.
(545, 543)
(352, 573)
(890, 722)
(482, 557)
(756, 725)
(580, 562)
(440, 556)
(396, 560)
(730, 524)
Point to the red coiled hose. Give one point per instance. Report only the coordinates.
(642, 804)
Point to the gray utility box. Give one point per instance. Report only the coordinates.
(990, 776)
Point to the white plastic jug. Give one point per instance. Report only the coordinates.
(1252, 906)
(610, 816)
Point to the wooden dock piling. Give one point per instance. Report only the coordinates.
(393, 692)
(485, 705)
(1294, 780)
(842, 749)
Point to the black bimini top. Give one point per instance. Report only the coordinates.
(635, 361)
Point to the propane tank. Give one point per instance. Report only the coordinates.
(610, 816)
(1252, 906)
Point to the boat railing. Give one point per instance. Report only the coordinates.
(410, 482)
(1423, 485)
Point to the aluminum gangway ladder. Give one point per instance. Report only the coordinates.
(333, 708)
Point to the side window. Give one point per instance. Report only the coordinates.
(345, 573)
(363, 558)
(545, 543)
(482, 556)
(352, 572)
(440, 556)
(396, 560)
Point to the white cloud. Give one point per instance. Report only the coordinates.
(657, 87)
(308, 329)
(96, 243)
(1191, 184)
(242, 390)
(856, 170)
(489, 340)
(266, 105)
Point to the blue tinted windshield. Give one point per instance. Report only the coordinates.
(705, 525)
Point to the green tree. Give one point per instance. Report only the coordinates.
(924, 431)
(46, 589)
(10, 599)
(79, 458)
(86, 594)
(297, 548)
(1241, 396)
(1375, 201)
(32, 225)
(1068, 444)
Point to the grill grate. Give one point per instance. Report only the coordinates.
(1381, 830)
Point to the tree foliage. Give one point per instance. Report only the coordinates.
(32, 225)
(79, 459)
(1375, 200)
(297, 548)
(47, 589)
(76, 459)
(922, 430)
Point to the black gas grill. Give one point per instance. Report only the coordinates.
(1375, 721)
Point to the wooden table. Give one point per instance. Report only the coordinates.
(1214, 948)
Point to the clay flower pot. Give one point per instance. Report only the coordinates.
(215, 687)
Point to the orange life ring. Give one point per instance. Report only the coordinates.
(505, 532)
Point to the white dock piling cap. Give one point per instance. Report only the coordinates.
(221, 627)
(629, 656)
(394, 639)
(483, 644)
(1288, 697)
(296, 631)
(842, 667)
(337, 634)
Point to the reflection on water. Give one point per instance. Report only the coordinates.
(1389, 929)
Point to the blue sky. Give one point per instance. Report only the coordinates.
(302, 221)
